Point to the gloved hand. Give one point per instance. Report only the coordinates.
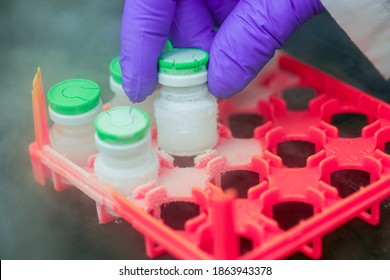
(249, 33)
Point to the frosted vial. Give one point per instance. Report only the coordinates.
(186, 113)
(120, 98)
(73, 107)
(125, 158)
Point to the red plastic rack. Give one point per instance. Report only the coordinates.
(299, 154)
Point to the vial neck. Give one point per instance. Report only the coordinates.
(178, 94)
(131, 155)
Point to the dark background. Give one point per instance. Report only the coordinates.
(73, 38)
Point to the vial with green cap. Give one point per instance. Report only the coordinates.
(120, 98)
(186, 113)
(125, 157)
(73, 107)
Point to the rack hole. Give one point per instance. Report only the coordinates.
(387, 148)
(184, 161)
(349, 181)
(243, 125)
(295, 153)
(349, 125)
(288, 214)
(298, 98)
(239, 180)
(176, 213)
(246, 245)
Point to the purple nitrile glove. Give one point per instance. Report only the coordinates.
(246, 40)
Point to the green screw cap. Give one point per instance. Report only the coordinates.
(115, 70)
(74, 97)
(184, 61)
(122, 125)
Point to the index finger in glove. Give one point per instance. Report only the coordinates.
(145, 28)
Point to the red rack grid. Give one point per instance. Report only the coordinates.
(299, 154)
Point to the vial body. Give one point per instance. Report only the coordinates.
(73, 107)
(186, 120)
(120, 99)
(125, 159)
(77, 143)
(126, 166)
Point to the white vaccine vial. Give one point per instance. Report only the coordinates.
(125, 159)
(120, 98)
(186, 113)
(73, 107)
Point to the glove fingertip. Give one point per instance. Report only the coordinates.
(226, 76)
(137, 93)
(220, 87)
(137, 84)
